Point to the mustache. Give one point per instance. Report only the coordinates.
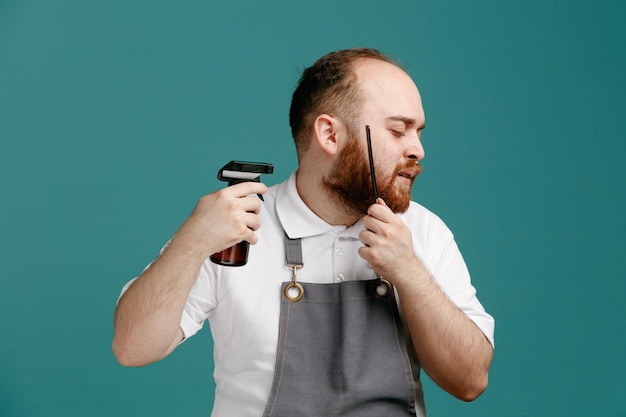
(419, 168)
(415, 168)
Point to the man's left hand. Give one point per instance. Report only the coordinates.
(388, 242)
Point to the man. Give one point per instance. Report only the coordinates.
(383, 290)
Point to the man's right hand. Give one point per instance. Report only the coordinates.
(148, 315)
(224, 218)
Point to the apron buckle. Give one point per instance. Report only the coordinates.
(293, 291)
(383, 288)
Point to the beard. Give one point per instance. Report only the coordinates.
(350, 183)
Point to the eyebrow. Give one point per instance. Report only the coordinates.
(406, 120)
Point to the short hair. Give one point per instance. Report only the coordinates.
(328, 87)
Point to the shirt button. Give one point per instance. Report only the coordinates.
(340, 277)
(339, 252)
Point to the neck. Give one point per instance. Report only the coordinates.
(313, 193)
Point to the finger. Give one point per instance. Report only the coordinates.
(367, 237)
(381, 211)
(246, 188)
(246, 231)
(372, 223)
(251, 204)
(253, 221)
(253, 239)
(369, 255)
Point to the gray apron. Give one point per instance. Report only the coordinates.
(340, 350)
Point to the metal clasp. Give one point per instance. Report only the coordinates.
(383, 288)
(293, 285)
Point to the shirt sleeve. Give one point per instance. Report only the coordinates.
(454, 278)
(435, 245)
(201, 301)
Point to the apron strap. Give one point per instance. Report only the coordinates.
(293, 256)
(294, 291)
(293, 252)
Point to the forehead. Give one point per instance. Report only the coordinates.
(388, 90)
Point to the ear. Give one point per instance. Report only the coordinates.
(326, 128)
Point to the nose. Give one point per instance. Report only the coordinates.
(414, 149)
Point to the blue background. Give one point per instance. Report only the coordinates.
(115, 116)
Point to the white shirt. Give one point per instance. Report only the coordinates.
(242, 304)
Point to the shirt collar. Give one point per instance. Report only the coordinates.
(298, 220)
